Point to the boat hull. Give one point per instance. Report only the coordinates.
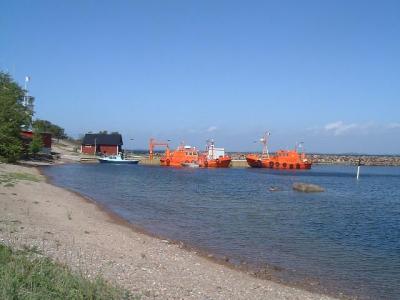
(165, 162)
(124, 162)
(222, 162)
(256, 162)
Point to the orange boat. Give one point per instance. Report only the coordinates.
(283, 159)
(214, 157)
(181, 156)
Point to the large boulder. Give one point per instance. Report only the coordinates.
(307, 187)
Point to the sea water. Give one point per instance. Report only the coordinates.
(346, 239)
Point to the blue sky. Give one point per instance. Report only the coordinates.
(323, 72)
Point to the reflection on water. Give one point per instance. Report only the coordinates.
(348, 236)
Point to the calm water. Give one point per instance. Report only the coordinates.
(347, 237)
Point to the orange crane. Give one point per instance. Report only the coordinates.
(154, 143)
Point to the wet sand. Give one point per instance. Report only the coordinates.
(75, 231)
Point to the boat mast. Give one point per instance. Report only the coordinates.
(264, 141)
(299, 147)
(210, 145)
(212, 149)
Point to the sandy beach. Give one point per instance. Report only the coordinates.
(74, 231)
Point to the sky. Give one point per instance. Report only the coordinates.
(326, 73)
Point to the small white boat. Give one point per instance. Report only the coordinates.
(117, 159)
(190, 165)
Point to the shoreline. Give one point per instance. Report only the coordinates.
(266, 272)
(194, 253)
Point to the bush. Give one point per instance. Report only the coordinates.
(36, 144)
(10, 150)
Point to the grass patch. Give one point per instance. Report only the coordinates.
(26, 275)
(24, 176)
(9, 179)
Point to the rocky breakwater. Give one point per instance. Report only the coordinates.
(340, 159)
(367, 160)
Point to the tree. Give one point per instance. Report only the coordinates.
(36, 144)
(13, 116)
(46, 126)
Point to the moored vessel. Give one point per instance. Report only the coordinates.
(117, 159)
(214, 157)
(182, 155)
(282, 159)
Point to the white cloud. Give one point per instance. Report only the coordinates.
(393, 125)
(339, 128)
(212, 128)
(334, 125)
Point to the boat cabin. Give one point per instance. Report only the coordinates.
(185, 154)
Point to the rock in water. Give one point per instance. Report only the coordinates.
(307, 187)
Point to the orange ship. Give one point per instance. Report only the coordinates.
(181, 156)
(189, 156)
(214, 157)
(283, 159)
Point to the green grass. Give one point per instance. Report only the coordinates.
(24, 274)
(9, 179)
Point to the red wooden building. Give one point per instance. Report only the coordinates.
(107, 144)
(27, 136)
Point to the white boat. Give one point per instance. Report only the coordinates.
(117, 159)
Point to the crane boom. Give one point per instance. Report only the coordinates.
(153, 143)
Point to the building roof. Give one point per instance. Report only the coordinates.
(102, 139)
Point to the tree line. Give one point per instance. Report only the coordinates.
(46, 126)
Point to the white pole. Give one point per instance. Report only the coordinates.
(26, 91)
(358, 172)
